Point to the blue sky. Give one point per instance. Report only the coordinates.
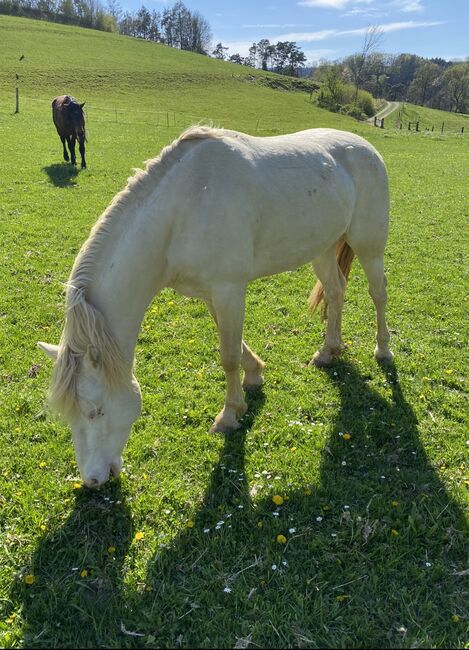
(333, 29)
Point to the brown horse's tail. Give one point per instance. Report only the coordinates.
(345, 257)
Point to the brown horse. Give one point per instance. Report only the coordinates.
(69, 121)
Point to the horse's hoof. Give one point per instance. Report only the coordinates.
(321, 360)
(251, 385)
(224, 427)
(384, 356)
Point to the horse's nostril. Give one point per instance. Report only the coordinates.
(92, 482)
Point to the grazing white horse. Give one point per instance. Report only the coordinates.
(214, 211)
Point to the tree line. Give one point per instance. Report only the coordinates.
(434, 83)
(284, 57)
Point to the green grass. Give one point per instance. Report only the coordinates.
(429, 119)
(348, 581)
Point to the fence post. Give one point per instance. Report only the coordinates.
(462, 129)
(17, 110)
(442, 126)
(417, 126)
(382, 122)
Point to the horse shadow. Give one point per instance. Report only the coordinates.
(62, 174)
(378, 516)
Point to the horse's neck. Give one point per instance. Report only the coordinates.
(130, 271)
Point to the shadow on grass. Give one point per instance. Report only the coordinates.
(78, 576)
(371, 557)
(62, 174)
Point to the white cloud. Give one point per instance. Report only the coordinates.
(336, 4)
(408, 5)
(325, 34)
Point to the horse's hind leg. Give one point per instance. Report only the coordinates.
(374, 270)
(333, 281)
(252, 365)
(71, 146)
(228, 309)
(66, 156)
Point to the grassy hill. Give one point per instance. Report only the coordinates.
(428, 118)
(140, 80)
(373, 523)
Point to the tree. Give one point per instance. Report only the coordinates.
(456, 81)
(425, 77)
(264, 52)
(219, 51)
(357, 63)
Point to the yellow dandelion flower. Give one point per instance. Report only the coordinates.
(111, 550)
(190, 524)
(149, 588)
(307, 492)
(342, 597)
(281, 539)
(29, 579)
(346, 436)
(138, 536)
(260, 524)
(455, 618)
(293, 449)
(84, 573)
(43, 527)
(394, 503)
(11, 618)
(43, 464)
(394, 532)
(277, 499)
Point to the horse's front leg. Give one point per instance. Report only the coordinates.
(228, 305)
(71, 146)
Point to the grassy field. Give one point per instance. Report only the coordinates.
(429, 119)
(182, 551)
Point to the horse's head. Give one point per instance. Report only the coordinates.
(101, 415)
(77, 118)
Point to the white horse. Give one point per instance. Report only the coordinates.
(214, 211)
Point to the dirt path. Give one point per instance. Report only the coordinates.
(387, 109)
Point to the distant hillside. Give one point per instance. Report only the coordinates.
(119, 75)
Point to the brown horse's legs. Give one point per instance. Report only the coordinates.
(66, 156)
(71, 146)
(82, 152)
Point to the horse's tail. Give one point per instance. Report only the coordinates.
(344, 255)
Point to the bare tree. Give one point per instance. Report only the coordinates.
(358, 63)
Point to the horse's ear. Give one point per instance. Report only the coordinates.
(49, 349)
(81, 105)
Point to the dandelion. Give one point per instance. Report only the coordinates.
(394, 532)
(11, 618)
(342, 597)
(293, 449)
(43, 464)
(307, 492)
(190, 524)
(277, 499)
(77, 486)
(281, 539)
(29, 579)
(260, 524)
(455, 618)
(43, 527)
(394, 503)
(346, 436)
(84, 573)
(111, 550)
(139, 536)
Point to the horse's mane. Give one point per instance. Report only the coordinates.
(85, 329)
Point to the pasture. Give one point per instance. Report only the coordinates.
(361, 470)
